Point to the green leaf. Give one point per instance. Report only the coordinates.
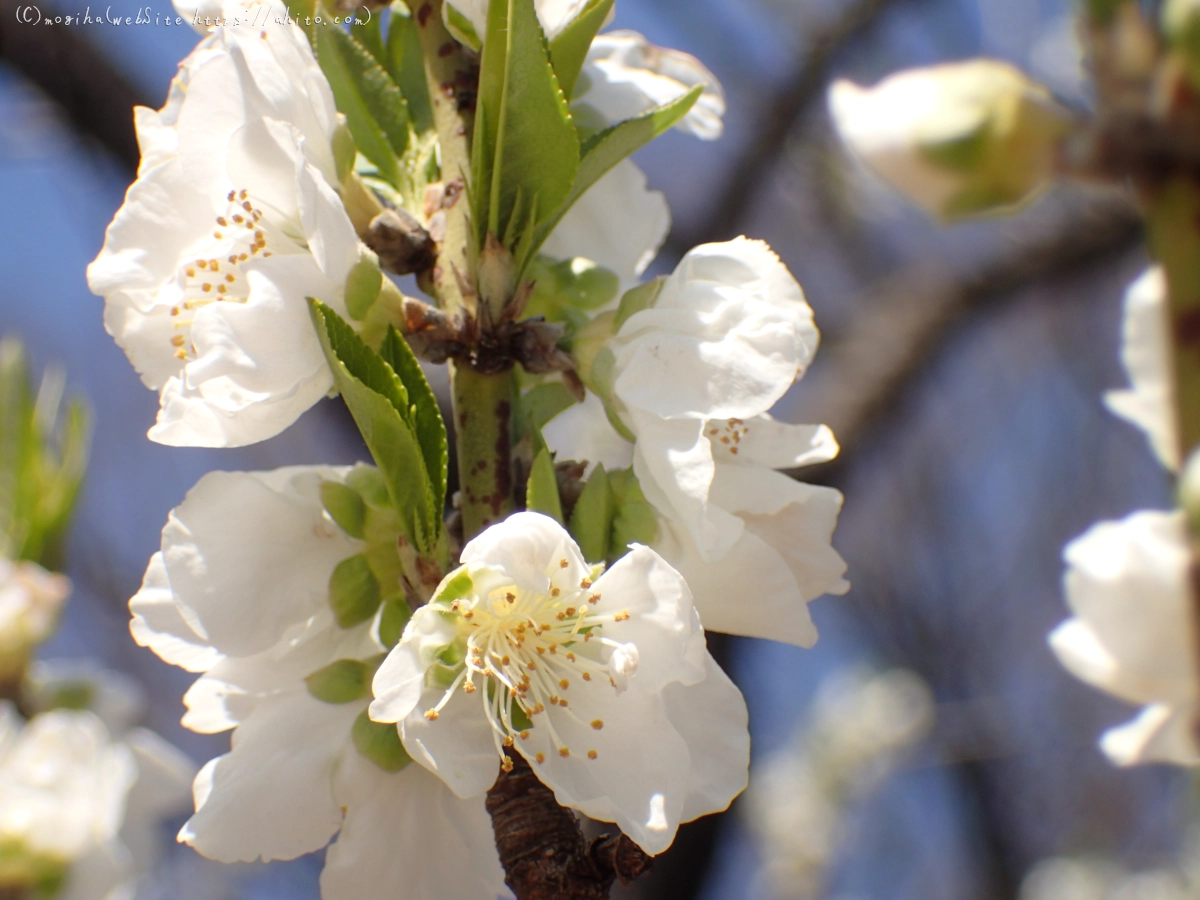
(636, 299)
(379, 403)
(362, 288)
(526, 150)
(354, 591)
(370, 37)
(569, 50)
(592, 517)
(345, 506)
(342, 681)
(634, 520)
(392, 620)
(604, 150)
(542, 493)
(372, 103)
(543, 402)
(562, 287)
(380, 743)
(370, 484)
(406, 65)
(426, 416)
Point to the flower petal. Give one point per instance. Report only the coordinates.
(159, 623)
(459, 746)
(528, 548)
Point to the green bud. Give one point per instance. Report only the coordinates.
(354, 591)
(362, 287)
(345, 506)
(636, 299)
(344, 151)
(343, 681)
(380, 743)
(497, 274)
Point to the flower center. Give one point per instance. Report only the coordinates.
(726, 435)
(529, 651)
(213, 276)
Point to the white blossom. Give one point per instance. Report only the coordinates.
(239, 593)
(957, 138)
(693, 378)
(233, 220)
(1132, 635)
(30, 600)
(601, 681)
(625, 75)
(1148, 402)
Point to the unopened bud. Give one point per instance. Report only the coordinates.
(497, 274)
(957, 139)
(401, 242)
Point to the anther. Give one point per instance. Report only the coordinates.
(564, 684)
(541, 758)
(562, 563)
(592, 754)
(597, 724)
(564, 752)
(431, 715)
(507, 764)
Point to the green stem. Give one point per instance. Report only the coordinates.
(452, 80)
(483, 407)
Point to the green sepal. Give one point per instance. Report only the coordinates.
(456, 586)
(569, 49)
(374, 108)
(602, 151)
(525, 152)
(380, 743)
(362, 288)
(542, 403)
(461, 27)
(406, 65)
(426, 416)
(634, 519)
(345, 152)
(345, 506)
(519, 718)
(370, 484)
(541, 495)
(392, 619)
(342, 681)
(637, 299)
(592, 517)
(379, 402)
(354, 591)
(70, 695)
(563, 287)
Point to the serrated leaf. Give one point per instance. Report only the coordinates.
(365, 93)
(354, 591)
(634, 519)
(592, 517)
(379, 742)
(345, 506)
(426, 416)
(406, 65)
(604, 150)
(526, 149)
(342, 681)
(370, 36)
(541, 495)
(569, 50)
(379, 403)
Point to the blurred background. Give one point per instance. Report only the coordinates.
(929, 746)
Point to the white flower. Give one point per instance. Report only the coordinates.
(1132, 635)
(618, 223)
(625, 75)
(233, 220)
(692, 378)
(957, 138)
(1149, 402)
(30, 600)
(239, 592)
(602, 682)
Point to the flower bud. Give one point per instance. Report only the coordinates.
(957, 139)
(30, 599)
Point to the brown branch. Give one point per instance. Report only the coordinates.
(95, 96)
(775, 126)
(542, 849)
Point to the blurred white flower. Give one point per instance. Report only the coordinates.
(30, 600)
(1148, 402)
(692, 378)
(956, 139)
(233, 220)
(601, 681)
(240, 592)
(1128, 584)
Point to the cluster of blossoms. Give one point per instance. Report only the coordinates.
(979, 137)
(331, 632)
